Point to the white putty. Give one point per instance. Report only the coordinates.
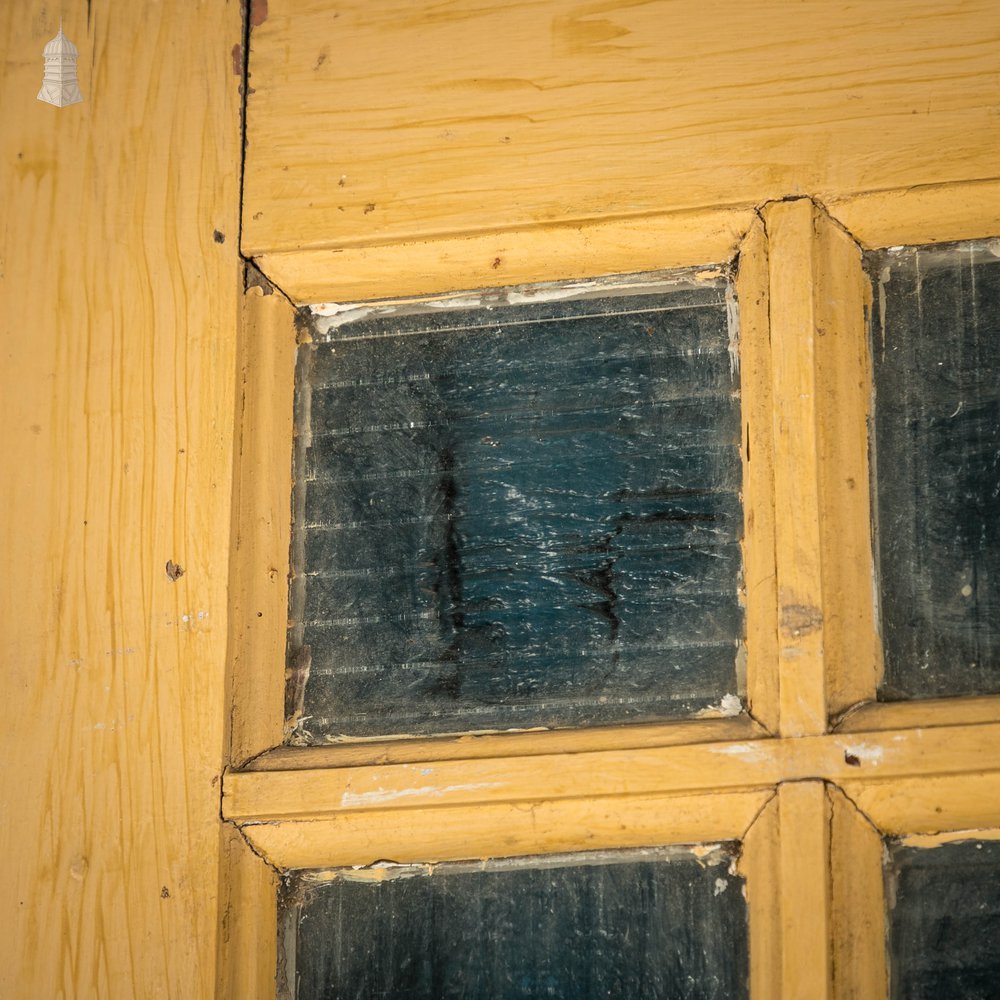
(354, 800)
(729, 707)
(733, 323)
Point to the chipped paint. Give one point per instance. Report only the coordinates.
(381, 796)
(745, 751)
(865, 754)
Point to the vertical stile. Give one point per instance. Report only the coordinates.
(248, 921)
(759, 865)
(804, 855)
(796, 476)
(857, 902)
(757, 448)
(263, 485)
(786, 854)
(821, 386)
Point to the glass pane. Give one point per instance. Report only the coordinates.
(944, 921)
(644, 924)
(518, 515)
(936, 466)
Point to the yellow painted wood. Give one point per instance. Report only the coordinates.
(967, 799)
(857, 902)
(760, 864)
(927, 213)
(375, 124)
(118, 316)
(924, 840)
(505, 829)
(508, 257)
(248, 921)
(261, 524)
(813, 866)
(760, 597)
(528, 744)
(803, 863)
(841, 295)
(827, 644)
(867, 759)
(798, 503)
(923, 713)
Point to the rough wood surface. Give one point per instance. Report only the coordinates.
(380, 124)
(118, 311)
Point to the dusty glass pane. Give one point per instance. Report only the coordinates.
(518, 515)
(936, 467)
(944, 921)
(650, 924)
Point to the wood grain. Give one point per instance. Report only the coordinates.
(118, 313)
(380, 124)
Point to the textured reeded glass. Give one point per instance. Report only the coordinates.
(944, 921)
(936, 467)
(660, 925)
(518, 515)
